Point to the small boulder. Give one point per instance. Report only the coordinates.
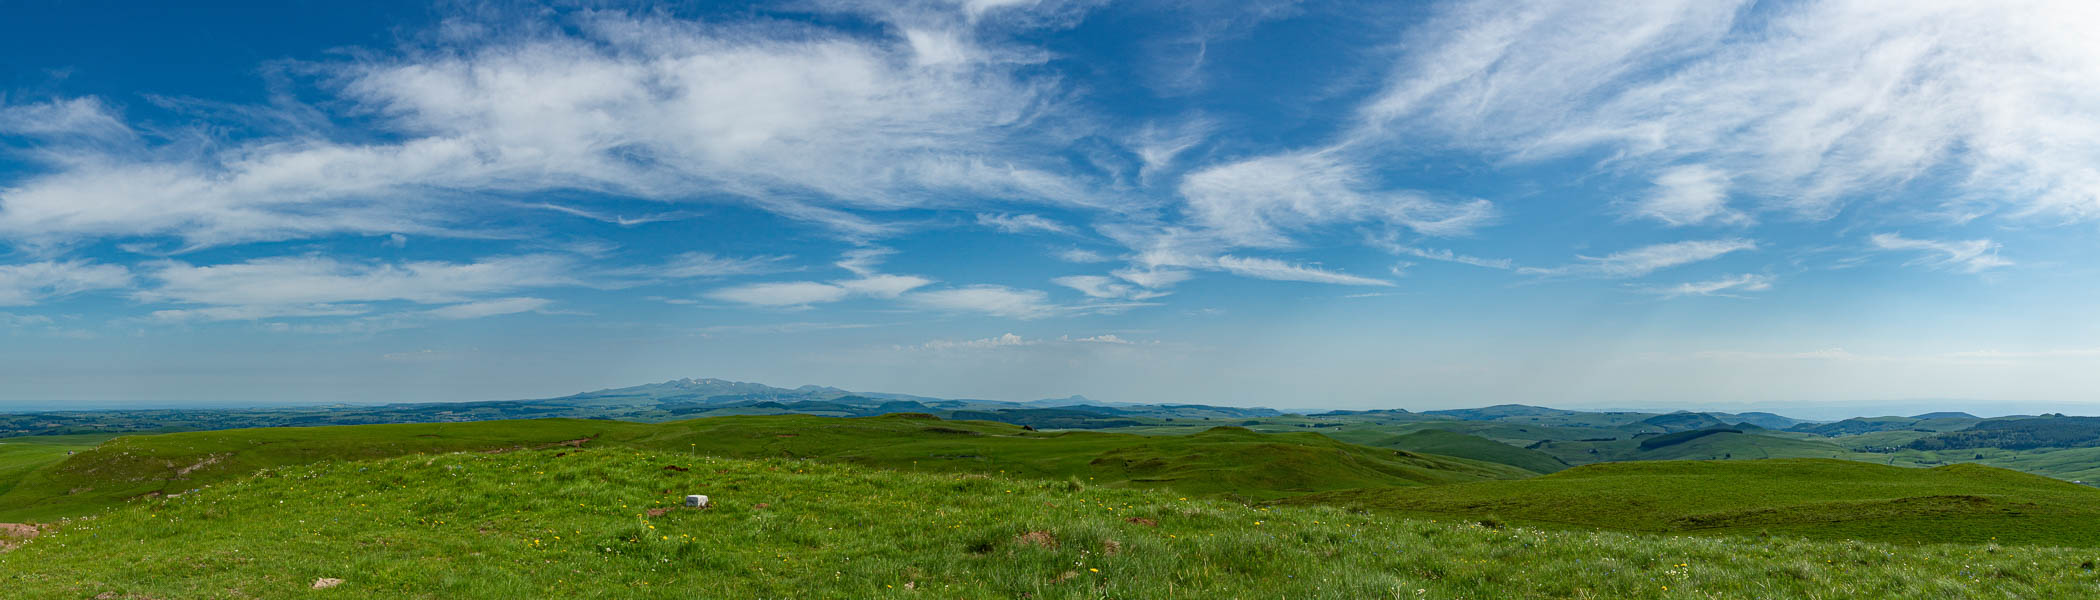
(326, 582)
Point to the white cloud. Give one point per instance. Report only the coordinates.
(1260, 201)
(1269, 268)
(1805, 105)
(783, 293)
(322, 286)
(1095, 286)
(489, 308)
(994, 300)
(1020, 223)
(860, 261)
(1688, 195)
(1003, 341)
(1159, 146)
(1391, 243)
(1647, 259)
(809, 123)
(1079, 255)
(63, 120)
(29, 283)
(15, 320)
(703, 264)
(884, 286)
(1153, 278)
(1972, 256)
(260, 311)
(1725, 286)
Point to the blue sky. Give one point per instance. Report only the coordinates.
(1808, 206)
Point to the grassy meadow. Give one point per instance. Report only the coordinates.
(1814, 498)
(1228, 462)
(602, 523)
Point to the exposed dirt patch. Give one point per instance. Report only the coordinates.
(13, 534)
(326, 582)
(1111, 548)
(676, 468)
(761, 506)
(1061, 577)
(208, 461)
(575, 443)
(1143, 521)
(1040, 539)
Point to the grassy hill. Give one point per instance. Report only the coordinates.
(1721, 444)
(600, 523)
(1826, 499)
(2018, 434)
(1450, 443)
(1222, 461)
(24, 455)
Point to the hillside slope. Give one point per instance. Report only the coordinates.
(1451, 443)
(1224, 461)
(1826, 499)
(600, 523)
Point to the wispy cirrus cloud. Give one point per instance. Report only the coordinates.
(1688, 195)
(1261, 201)
(1970, 256)
(1732, 286)
(29, 283)
(811, 124)
(994, 300)
(314, 285)
(1805, 106)
(1646, 259)
(1269, 268)
(1098, 286)
(1023, 223)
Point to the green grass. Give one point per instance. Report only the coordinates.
(1450, 443)
(1718, 446)
(1824, 499)
(529, 524)
(20, 456)
(1226, 461)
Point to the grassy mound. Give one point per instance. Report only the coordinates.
(1452, 443)
(1225, 461)
(600, 523)
(1824, 499)
(20, 456)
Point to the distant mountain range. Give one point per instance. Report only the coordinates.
(680, 399)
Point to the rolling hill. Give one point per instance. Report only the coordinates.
(2018, 434)
(604, 523)
(1223, 461)
(1823, 499)
(1451, 443)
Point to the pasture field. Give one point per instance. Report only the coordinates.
(1814, 498)
(1223, 461)
(603, 523)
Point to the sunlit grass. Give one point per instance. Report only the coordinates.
(529, 524)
